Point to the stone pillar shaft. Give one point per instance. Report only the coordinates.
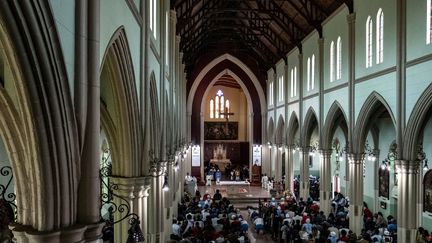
(325, 180)
(289, 170)
(355, 173)
(133, 192)
(304, 172)
(408, 192)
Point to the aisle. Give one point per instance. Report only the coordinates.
(254, 237)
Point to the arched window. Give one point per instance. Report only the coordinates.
(281, 88)
(369, 35)
(308, 73)
(338, 58)
(227, 107)
(222, 106)
(428, 22)
(271, 85)
(153, 16)
(292, 82)
(167, 44)
(219, 105)
(313, 72)
(295, 81)
(380, 36)
(332, 62)
(212, 108)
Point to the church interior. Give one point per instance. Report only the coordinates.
(120, 117)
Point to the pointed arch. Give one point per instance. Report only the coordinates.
(373, 107)
(54, 154)
(270, 130)
(292, 128)
(117, 59)
(155, 129)
(280, 128)
(420, 114)
(336, 117)
(310, 121)
(109, 127)
(199, 85)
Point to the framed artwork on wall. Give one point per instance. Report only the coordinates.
(427, 192)
(384, 178)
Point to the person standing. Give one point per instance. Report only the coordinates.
(218, 176)
(264, 181)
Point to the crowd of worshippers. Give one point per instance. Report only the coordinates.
(292, 220)
(204, 219)
(270, 183)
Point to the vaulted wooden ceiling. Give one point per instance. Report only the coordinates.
(261, 30)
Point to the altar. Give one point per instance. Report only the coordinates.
(219, 157)
(221, 163)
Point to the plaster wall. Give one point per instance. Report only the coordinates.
(370, 8)
(416, 30)
(336, 26)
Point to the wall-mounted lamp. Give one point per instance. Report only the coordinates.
(369, 152)
(165, 186)
(421, 156)
(313, 148)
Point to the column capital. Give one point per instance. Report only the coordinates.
(306, 149)
(173, 14)
(325, 153)
(321, 41)
(351, 18)
(131, 186)
(355, 158)
(408, 167)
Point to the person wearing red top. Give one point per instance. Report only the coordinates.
(344, 237)
(366, 211)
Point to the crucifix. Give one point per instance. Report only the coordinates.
(226, 114)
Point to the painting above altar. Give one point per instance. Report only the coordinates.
(220, 130)
(219, 157)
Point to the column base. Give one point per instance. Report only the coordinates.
(406, 235)
(304, 190)
(153, 238)
(356, 218)
(325, 198)
(73, 234)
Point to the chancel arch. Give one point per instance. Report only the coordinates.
(250, 115)
(227, 121)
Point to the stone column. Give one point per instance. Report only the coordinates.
(289, 169)
(25, 234)
(304, 172)
(355, 173)
(408, 191)
(130, 192)
(155, 216)
(325, 180)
